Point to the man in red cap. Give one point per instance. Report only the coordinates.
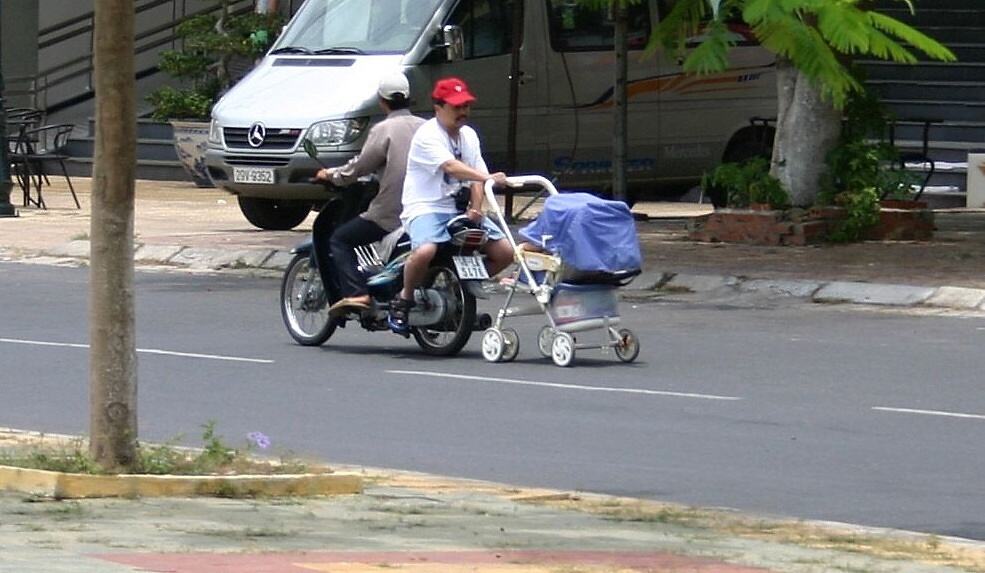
(445, 156)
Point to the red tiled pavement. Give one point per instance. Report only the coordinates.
(424, 562)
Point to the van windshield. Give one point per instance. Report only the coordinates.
(356, 26)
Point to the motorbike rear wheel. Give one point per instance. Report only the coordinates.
(304, 303)
(449, 337)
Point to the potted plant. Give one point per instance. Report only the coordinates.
(213, 46)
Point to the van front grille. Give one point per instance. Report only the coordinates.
(275, 139)
(257, 160)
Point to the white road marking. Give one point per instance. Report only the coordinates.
(143, 351)
(563, 386)
(929, 412)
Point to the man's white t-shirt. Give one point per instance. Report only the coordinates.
(427, 189)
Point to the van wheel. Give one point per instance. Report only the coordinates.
(274, 214)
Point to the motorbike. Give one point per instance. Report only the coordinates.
(444, 315)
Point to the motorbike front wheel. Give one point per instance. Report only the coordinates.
(304, 303)
(450, 336)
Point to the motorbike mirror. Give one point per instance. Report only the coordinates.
(310, 149)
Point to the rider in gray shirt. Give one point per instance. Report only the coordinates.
(384, 153)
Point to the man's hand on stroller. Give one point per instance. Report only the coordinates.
(499, 179)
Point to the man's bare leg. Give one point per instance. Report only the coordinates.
(416, 268)
(499, 255)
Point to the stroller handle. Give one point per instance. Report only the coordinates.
(515, 181)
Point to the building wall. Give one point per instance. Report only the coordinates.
(19, 35)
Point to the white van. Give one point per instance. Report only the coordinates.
(319, 81)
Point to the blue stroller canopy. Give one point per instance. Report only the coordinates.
(588, 233)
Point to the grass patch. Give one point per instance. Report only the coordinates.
(922, 548)
(214, 458)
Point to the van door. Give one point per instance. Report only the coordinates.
(487, 27)
(701, 115)
(581, 63)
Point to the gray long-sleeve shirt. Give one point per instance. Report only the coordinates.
(384, 153)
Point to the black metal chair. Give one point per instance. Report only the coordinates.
(37, 147)
(19, 120)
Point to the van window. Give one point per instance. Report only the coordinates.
(371, 26)
(576, 27)
(487, 26)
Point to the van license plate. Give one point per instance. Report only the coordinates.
(255, 175)
(470, 268)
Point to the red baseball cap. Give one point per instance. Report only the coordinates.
(453, 91)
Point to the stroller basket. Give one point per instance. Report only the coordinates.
(583, 307)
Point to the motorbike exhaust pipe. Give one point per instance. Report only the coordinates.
(482, 322)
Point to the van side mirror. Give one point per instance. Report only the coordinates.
(454, 43)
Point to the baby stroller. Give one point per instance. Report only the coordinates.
(574, 258)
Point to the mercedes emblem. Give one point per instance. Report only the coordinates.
(258, 132)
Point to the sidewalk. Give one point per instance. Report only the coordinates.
(417, 523)
(202, 229)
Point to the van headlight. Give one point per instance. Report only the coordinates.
(215, 133)
(337, 131)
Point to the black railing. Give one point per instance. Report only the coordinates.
(81, 66)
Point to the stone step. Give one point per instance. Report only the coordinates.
(936, 110)
(927, 16)
(158, 149)
(970, 133)
(924, 71)
(154, 170)
(146, 129)
(939, 91)
(953, 33)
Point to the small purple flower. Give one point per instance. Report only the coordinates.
(259, 439)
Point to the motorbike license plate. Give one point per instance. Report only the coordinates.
(256, 175)
(470, 268)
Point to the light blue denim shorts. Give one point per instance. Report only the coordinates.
(433, 228)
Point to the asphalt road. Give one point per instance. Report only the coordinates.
(800, 410)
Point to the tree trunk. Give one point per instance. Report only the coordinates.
(807, 128)
(113, 355)
(620, 124)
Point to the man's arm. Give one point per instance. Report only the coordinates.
(461, 171)
(370, 160)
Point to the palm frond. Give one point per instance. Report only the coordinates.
(845, 27)
(711, 55)
(912, 36)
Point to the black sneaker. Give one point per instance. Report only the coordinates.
(397, 319)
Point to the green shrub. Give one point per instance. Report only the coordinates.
(746, 183)
(210, 43)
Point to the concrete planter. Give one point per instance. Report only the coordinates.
(61, 485)
(191, 139)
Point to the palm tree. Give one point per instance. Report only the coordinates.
(814, 41)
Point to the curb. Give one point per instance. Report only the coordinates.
(827, 292)
(61, 485)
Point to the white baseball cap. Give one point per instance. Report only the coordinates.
(392, 84)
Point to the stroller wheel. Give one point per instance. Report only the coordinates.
(493, 345)
(512, 340)
(628, 347)
(563, 349)
(544, 341)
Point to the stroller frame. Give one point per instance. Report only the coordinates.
(555, 341)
